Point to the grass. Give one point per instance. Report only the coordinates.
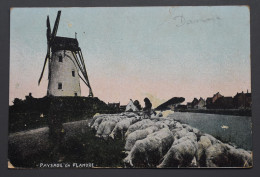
(80, 148)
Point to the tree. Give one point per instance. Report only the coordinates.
(137, 104)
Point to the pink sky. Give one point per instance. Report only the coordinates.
(133, 53)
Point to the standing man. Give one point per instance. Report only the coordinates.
(147, 108)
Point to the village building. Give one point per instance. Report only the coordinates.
(114, 105)
(122, 108)
(208, 101)
(189, 105)
(194, 102)
(211, 101)
(224, 103)
(239, 101)
(216, 96)
(201, 104)
(130, 107)
(243, 100)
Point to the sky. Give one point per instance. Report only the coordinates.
(138, 52)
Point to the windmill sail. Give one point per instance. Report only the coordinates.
(45, 61)
(50, 38)
(81, 65)
(55, 27)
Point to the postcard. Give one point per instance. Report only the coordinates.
(130, 87)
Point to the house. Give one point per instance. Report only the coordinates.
(248, 99)
(209, 103)
(194, 102)
(224, 103)
(216, 96)
(189, 105)
(122, 108)
(114, 105)
(243, 100)
(201, 104)
(130, 107)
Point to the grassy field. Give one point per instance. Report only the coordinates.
(79, 148)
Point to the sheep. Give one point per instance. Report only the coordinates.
(180, 132)
(203, 144)
(139, 125)
(178, 125)
(150, 150)
(141, 134)
(138, 135)
(239, 157)
(107, 126)
(182, 152)
(130, 114)
(224, 155)
(96, 121)
(122, 126)
(151, 141)
(111, 117)
(189, 128)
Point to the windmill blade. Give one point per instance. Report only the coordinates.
(83, 63)
(85, 73)
(91, 93)
(90, 89)
(48, 29)
(83, 70)
(78, 63)
(46, 58)
(83, 79)
(55, 27)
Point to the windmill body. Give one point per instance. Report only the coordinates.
(66, 64)
(63, 75)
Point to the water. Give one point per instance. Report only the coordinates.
(227, 128)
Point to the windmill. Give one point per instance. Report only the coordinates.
(65, 64)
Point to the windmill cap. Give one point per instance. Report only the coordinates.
(64, 43)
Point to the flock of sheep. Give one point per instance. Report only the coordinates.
(165, 143)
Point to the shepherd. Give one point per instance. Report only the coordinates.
(147, 109)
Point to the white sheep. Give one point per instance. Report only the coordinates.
(182, 152)
(139, 125)
(151, 149)
(107, 126)
(122, 126)
(138, 135)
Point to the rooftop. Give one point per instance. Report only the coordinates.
(64, 43)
